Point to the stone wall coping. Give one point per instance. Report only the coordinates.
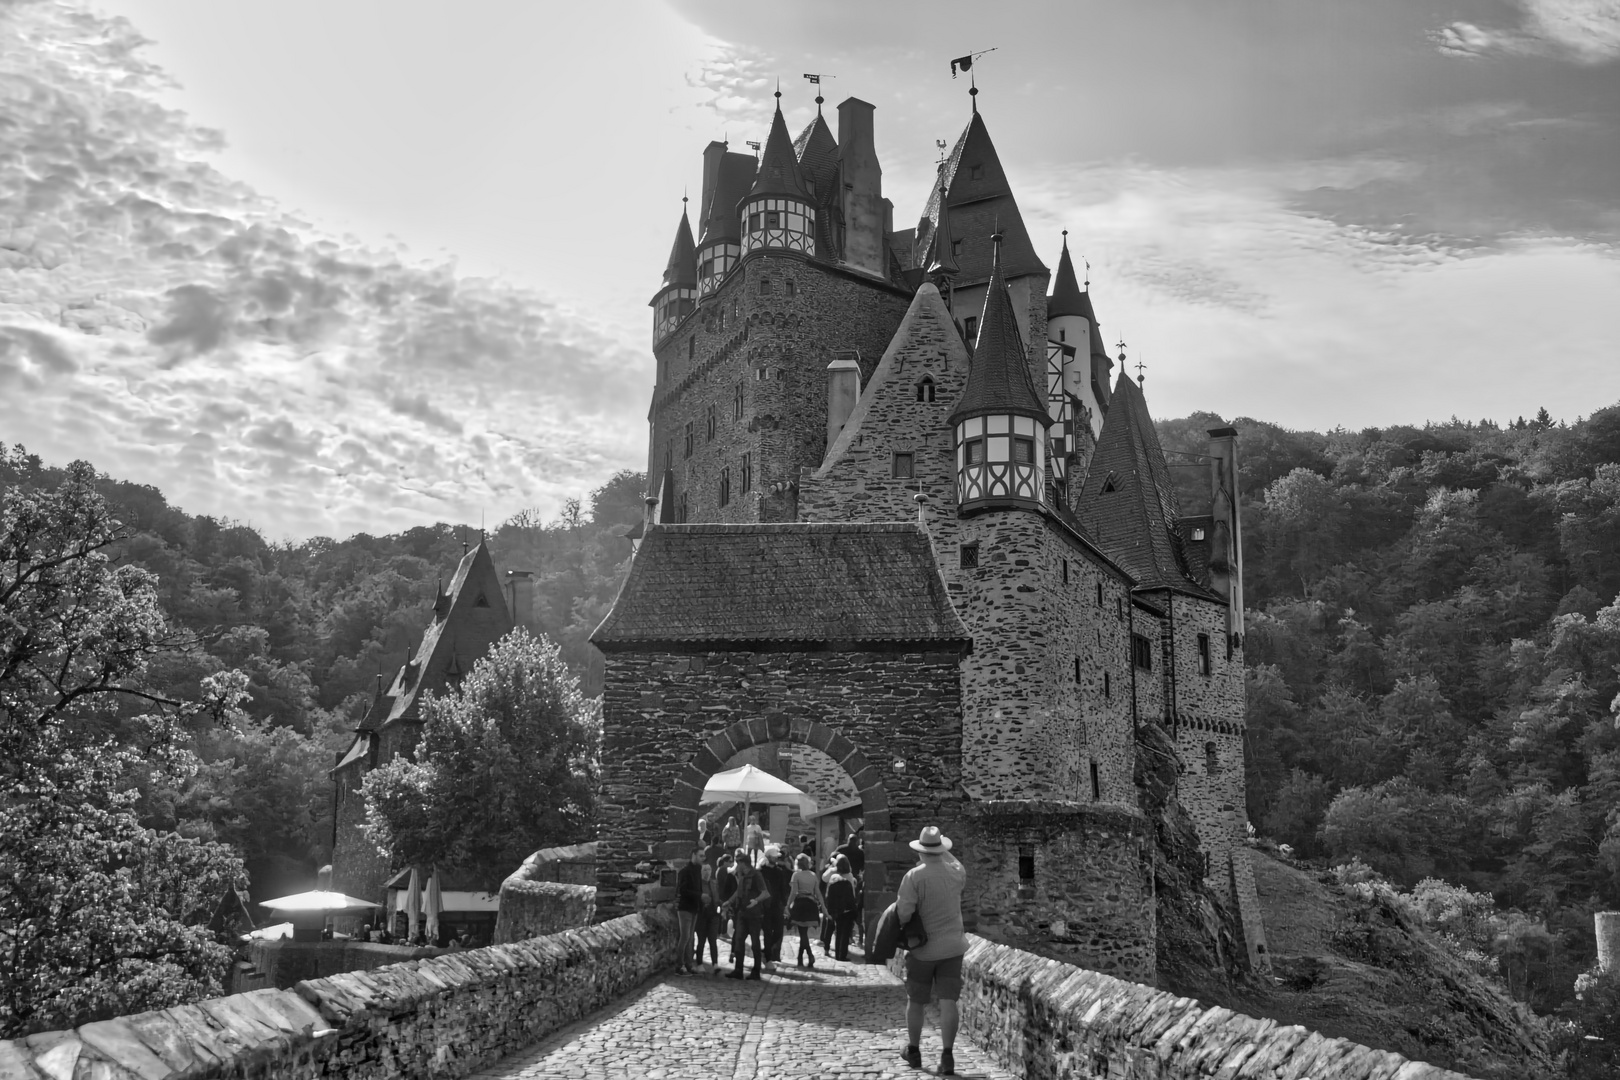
(1048, 809)
(275, 1032)
(1072, 1011)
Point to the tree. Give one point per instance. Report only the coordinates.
(100, 916)
(506, 765)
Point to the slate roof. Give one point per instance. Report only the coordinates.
(468, 617)
(681, 270)
(978, 205)
(940, 260)
(1128, 502)
(817, 152)
(734, 177)
(998, 380)
(779, 165)
(792, 583)
(1066, 298)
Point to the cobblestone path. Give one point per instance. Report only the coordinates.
(839, 1020)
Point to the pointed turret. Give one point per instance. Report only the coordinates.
(941, 266)
(1066, 298)
(817, 152)
(779, 212)
(1000, 421)
(726, 178)
(678, 297)
(1128, 502)
(1072, 322)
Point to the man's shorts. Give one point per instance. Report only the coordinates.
(924, 978)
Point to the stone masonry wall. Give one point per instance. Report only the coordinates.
(358, 868)
(1031, 728)
(284, 963)
(532, 909)
(1087, 898)
(671, 720)
(1045, 1019)
(442, 1018)
(776, 348)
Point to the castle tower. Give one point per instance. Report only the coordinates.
(778, 212)
(678, 297)
(1071, 321)
(1000, 422)
(726, 180)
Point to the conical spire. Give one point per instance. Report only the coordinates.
(779, 167)
(941, 262)
(981, 200)
(998, 381)
(681, 270)
(1067, 299)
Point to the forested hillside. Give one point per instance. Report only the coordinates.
(311, 625)
(1433, 643)
(1433, 637)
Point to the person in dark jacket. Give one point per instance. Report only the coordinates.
(688, 905)
(777, 879)
(747, 908)
(844, 904)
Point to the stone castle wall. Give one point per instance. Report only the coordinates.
(1074, 883)
(671, 720)
(1045, 1019)
(776, 348)
(442, 1018)
(358, 868)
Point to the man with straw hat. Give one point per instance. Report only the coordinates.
(933, 888)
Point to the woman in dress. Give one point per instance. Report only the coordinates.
(804, 907)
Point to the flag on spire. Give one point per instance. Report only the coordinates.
(814, 79)
(963, 63)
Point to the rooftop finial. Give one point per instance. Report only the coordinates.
(1088, 272)
(779, 91)
(973, 96)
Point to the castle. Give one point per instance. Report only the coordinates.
(902, 513)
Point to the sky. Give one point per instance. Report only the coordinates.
(328, 266)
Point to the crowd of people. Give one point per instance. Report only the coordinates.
(739, 887)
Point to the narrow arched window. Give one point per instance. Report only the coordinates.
(925, 389)
(1212, 761)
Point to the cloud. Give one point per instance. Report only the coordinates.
(1580, 31)
(153, 311)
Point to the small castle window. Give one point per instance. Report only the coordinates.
(1063, 335)
(482, 601)
(1108, 686)
(970, 327)
(689, 438)
(968, 556)
(747, 472)
(680, 509)
(925, 389)
(905, 465)
(973, 451)
(765, 287)
(1108, 486)
(709, 421)
(1099, 594)
(975, 172)
(773, 219)
(1023, 451)
(691, 347)
(1198, 534)
(1119, 606)
(1096, 783)
(1065, 571)
(1141, 652)
(707, 270)
(1026, 866)
(790, 289)
(1212, 760)
(737, 402)
(1077, 677)
(725, 487)
(1203, 654)
(753, 222)
(956, 247)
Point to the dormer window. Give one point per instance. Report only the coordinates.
(975, 172)
(970, 327)
(956, 247)
(1198, 534)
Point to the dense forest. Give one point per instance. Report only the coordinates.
(1433, 640)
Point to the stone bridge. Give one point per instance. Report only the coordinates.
(600, 1001)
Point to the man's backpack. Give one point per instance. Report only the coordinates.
(841, 897)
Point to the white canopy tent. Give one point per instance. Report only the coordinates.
(749, 785)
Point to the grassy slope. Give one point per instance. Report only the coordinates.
(1360, 969)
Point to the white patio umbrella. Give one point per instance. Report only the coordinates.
(413, 904)
(317, 900)
(432, 906)
(749, 785)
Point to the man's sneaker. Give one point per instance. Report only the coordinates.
(947, 1063)
(913, 1057)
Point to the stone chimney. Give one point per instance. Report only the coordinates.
(711, 179)
(843, 391)
(864, 205)
(1226, 545)
(520, 594)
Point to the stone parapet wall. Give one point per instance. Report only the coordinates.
(532, 909)
(444, 1017)
(285, 963)
(1046, 1019)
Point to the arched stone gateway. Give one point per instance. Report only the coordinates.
(681, 824)
(725, 637)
